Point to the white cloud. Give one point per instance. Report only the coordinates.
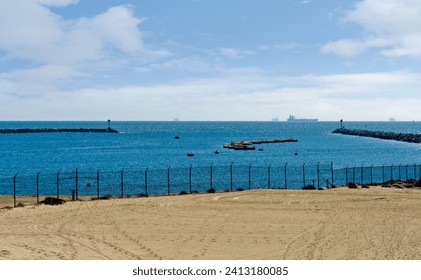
(118, 26)
(279, 47)
(235, 95)
(235, 53)
(350, 47)
(57, 3)
(45, 73)
(392, 27)
(29, 30)
(186, 64)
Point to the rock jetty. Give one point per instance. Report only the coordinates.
(247, 145)
(403, 137)
(43, 130)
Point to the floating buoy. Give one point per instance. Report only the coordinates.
(296, 154)
(190, 154)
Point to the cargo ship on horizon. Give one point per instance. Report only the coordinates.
(292, 118)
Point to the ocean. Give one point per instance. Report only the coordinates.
(153, 145)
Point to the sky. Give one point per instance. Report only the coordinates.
(210, 60)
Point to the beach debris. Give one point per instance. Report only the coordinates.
(105, 197)
(352, 185)
(309, 187)
(399, 184)
(52, 201)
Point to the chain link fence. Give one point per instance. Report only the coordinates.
(78, 185)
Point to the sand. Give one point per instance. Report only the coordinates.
(335, 224)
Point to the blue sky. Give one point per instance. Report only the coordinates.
(210, 59)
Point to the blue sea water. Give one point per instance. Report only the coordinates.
(152, 145)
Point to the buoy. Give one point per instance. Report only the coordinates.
(296, 153)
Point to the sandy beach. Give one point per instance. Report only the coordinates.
(335, 224)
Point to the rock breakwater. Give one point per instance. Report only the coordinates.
(43, 130)
(403, 137)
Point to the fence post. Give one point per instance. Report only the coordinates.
(58, 184)
(250, 176)
(415, 171)
(169, 181)
(146, 181)
(14, 190)
(318, 175)
(285, 172)
(211, 176)
(97, 183)
(38, 187)
(304, 175)
(269, 176)
(331, 168)
(346, 175)
(419, 170)
(190, 177)
(77, 183)
(231, 175)
(391, 172)
(122, 182)
(383, 173)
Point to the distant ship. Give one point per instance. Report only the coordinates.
(292, 118)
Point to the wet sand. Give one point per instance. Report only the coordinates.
(335, 224)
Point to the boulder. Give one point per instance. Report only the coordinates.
(417, 184)
(53, 201)
(309, 187)
(352, 185)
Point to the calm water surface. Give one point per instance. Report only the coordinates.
(153, 145)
